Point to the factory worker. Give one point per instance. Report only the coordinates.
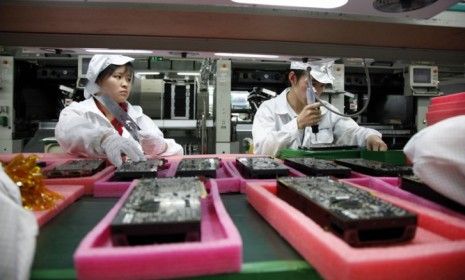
(438, 156)
(285, 121)
(88, 128)
(18, 233)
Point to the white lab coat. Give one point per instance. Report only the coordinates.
(18, 233)
(275, 128)
(82, 125)
(438, 156)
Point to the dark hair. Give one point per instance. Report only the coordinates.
(298, 73)
(128, 68)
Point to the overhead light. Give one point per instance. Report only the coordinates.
(117, 51)
(248, 55)
(147, 73)
(320, 4)
(141, 75)
(188, 73)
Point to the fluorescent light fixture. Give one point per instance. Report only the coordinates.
(117, 51)
(320, 4)
(141, 75)
(248, 55)
(147, 73)
(188, 74)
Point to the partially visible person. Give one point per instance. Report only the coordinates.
(285, 121)
(438, 156)
(18, 232)
(88, 129)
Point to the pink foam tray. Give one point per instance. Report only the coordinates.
(219, 251)
(6, 157)
(87, 182)
(437, 250)
(391, 186)
(227, 180)
(231, 166)
(106, 188)
(70, 193)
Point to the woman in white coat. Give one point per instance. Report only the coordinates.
(88, 129)
(285, 121)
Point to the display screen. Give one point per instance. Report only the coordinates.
(422, 75)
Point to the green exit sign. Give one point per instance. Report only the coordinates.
(156, 58)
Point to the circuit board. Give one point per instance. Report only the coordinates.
(162, 210)
(375, 168)
(353, 214)
(414, 185)
(131, 170)
(261, 167)
(76, 168)
(198, 167)
(318, 167)
(326, 147)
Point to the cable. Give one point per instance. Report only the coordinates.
(365, 105)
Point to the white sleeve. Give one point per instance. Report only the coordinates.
(438, 156)
(348, 132)
(172, 148)
(81, 133)
(18, 234)
(267, 140)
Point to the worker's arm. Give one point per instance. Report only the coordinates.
(267, 139)
(82, 133)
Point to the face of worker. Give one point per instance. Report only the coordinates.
(318, 87)
(299, 85)
(118, 84)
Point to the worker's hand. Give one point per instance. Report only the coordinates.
(309, 116)
(114, 145)
(151, 143)
(375, 143)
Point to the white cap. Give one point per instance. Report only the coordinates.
(97, 64)
(297, 65)
(322, 71)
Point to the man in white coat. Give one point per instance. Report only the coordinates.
(285, 121)
(88, 129)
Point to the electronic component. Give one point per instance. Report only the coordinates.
(414, 185)
(198, 167)
(326, 147)
(76, 168)
(160, 211)
(318, 167)
(375, 168)
(130, 170)
(261, 167)
(353, 214)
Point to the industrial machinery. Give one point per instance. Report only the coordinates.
(421, 82)
(7, 145)
(223, 107)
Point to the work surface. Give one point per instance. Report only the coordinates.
(265, 254)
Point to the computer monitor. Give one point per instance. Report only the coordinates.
(423, 76)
